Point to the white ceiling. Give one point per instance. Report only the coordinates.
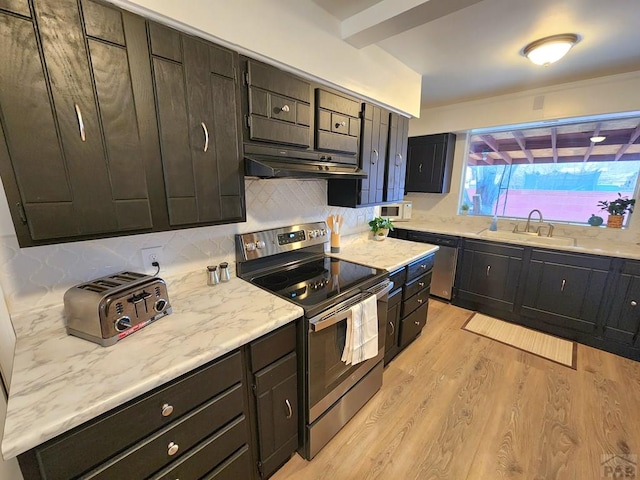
(474, 51)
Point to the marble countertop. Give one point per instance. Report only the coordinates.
(389, 254)
(60, 382)
(584, 244)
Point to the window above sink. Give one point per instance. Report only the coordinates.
(563, 168)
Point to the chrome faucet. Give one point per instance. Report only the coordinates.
(527, 227)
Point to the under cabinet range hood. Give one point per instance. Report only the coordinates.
(268, 162)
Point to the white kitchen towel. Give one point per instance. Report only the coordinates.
(362, 332)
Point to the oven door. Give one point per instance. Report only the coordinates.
(329, 378)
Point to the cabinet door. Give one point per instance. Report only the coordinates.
(429, 162)
(391, 347)
(277, 406)
(623, 322)
(84, 175)
(565, 290)
(337, 123)
(197, 103)
(396, 165)
(373, 152)
(489, 274)
(279, 106)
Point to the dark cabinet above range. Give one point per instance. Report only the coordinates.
(337, 123)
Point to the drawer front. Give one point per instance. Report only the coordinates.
(88, 446)
(235, 468)
(417, 285)
(398, 277)
(419, 267)
(418, 300)
(272, 347)
(172, 442)
(209, 454)
(412, 325)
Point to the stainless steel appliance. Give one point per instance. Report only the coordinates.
(446, 259)
(110, 308)
(290, 262)
(398, 212)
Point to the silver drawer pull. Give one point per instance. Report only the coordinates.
(423, 266)
(83, 136)
(393, 328)
(564, 282)
(172, 449)
(420, 301)
(289, 409)
(341, 124)
(421, 284)
(167, 410)
(417, 323)
(206, 136)
(284, 108)
(633, 303)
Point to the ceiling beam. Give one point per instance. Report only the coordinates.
(391, 17)
(493, 145)
(634, 136)
(554, 144)
(522, 143)
(596, 132)
(563, 140)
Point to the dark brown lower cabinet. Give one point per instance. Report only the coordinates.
(623, 322)
(209, 423)
(391, 346)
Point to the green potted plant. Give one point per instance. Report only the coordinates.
(380, 227)
(464, 208)
(617, 208)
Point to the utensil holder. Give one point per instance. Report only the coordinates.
(335, 242)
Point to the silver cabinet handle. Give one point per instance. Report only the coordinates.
(423, 266)
(421, 284)
(172, 449)
(206, 136)
(284, 108)
(633, 303)
(399, 162)
(417, 323)
(373, 162)
(83, 135)
(420, 168)
(564, 282)
(341, 124)
(393, 328)
(167, 410)
(289, 409)
(488, 269)
(420, 301)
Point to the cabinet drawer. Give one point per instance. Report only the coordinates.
(416, 285)
(209, 454)
(419, 267)
(235, 468)
(89, 445)
(412, 325)
(419, 299)
(273, 346)
(154, 453)
(398, 277)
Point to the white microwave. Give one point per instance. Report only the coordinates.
(398, 212)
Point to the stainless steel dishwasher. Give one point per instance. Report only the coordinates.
(444, 267)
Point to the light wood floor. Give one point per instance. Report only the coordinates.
(457, 406)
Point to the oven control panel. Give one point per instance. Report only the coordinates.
(250, 246)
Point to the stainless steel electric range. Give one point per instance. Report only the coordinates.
(290, 262)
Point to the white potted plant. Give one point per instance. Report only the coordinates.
(380, 227)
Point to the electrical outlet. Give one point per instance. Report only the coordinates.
(150, 255)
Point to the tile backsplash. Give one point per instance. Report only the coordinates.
(36, 277)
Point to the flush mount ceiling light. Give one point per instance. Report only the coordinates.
(598, 139)
(548, 50)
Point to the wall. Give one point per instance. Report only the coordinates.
(611, 94)
(297, 35)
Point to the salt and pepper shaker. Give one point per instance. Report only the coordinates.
(212, 275)
(224, 272)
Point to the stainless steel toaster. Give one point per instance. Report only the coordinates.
(110, 308)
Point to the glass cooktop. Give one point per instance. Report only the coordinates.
(317, 281)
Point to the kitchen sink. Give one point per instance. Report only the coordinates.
(523, 237)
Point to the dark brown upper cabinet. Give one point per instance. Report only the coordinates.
(73, 142)
(373, 154)
(197, 101)
(278, 106)
(337, 123)
(429, 163)
(397, 158)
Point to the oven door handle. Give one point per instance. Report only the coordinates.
(379, 291)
